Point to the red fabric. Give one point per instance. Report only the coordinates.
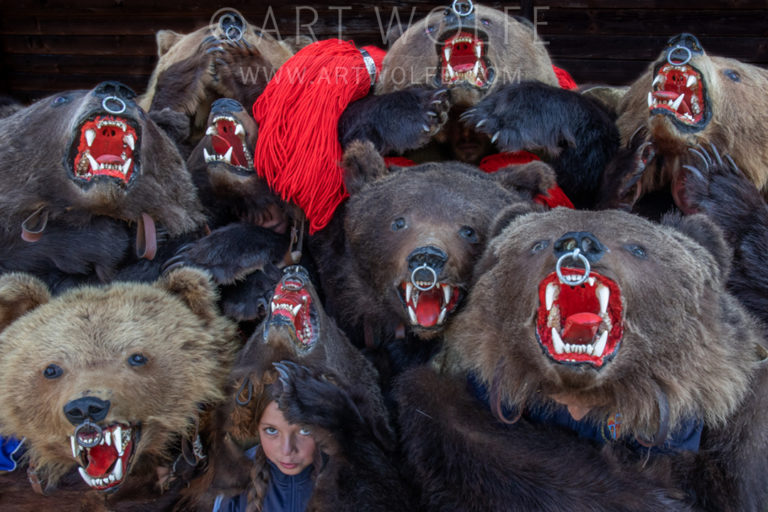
(493, 163)
(553, 198)
(399, 161)
(298, 150)
(564, 78)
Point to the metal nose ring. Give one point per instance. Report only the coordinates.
(432, 283)
(91, 426)
(575, 254)
(112, 100)
(682, 49)
(462, 7)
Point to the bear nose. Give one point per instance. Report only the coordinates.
(586, 242)
(681, 49)
(88, 407)
(113, 88)
(225, 106)
(429, 256)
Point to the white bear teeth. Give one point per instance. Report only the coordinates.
(293, 310)
(94, 167)
(412, 300)
(117, 436)
(596, 349)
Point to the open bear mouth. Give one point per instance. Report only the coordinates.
(106, 146)
(429, 308)
(678, 91)
(292, 307)
(463, 60)
(105, 465)
(228, 144)
(581, 323)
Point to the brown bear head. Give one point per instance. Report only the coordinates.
(106, 378)
(638, 317)
(230, 58)
(686, 98)
(472, 53)
(93, 153)
(415, 234)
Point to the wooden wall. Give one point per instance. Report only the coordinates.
(51, 45)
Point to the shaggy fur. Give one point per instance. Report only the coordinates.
(195, 69)
(679, 331)
(725, 194)
(90, 224)
(92, 334)
(393, 214)
(463, 459)
(732, 90)
(573, 133)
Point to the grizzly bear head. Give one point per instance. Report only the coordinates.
(470, 49)
(104, 379)
(686, 98)
(102, 156)
(607, 312)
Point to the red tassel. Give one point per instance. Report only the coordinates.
(496, 161)
(399, 161)
(564, 78)
(298, 150)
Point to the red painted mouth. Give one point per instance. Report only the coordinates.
(228, 143)
(582, 323)
(462, 60)
(292, 306)
(105, 466)
(429, 308)
(107, 146)
(679, 92)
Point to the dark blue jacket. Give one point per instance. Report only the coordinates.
(284, 493)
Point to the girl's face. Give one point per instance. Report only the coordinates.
(290, 447)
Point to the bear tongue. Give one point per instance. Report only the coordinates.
(428, 308)
(580, 328)
(222, 145)
(100, 458)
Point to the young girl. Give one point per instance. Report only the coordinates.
(284, 461)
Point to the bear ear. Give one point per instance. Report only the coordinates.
(194, 287)
(707, 234)
(508, 214)
(20, 293)
(529, 179)
(362, 164)
(165, 40)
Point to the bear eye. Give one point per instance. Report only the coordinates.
(137, 360)
(398, 224)
(430, 29)
(60, 100)
(637, 251)
(469, 234)
(53, 371)
(539, 246)
(485, 21)
(733, 75)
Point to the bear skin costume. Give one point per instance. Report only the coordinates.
(495, 66)
(606, 326)
(249, 224)
(397, 259)
(115, 381)
(687, 98)
(303, 360)
(231, 59)
(107, 175)
(715, 186)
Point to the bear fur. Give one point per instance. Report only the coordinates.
(655, 337)
(229, 59)
(84, 220)
(249, 224)
(716, 187)
(151, 358)
(719, 106)
(396, 219)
